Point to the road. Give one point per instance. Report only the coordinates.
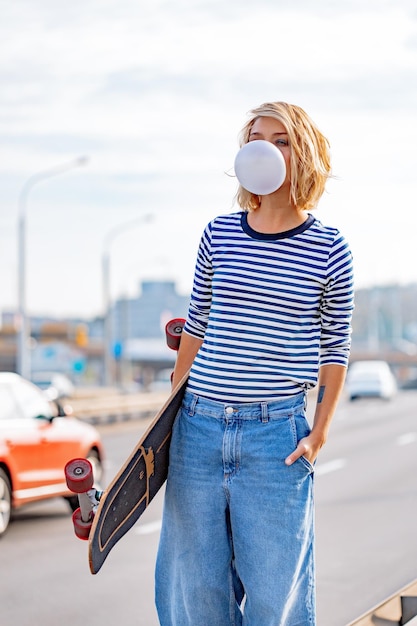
(366, 501)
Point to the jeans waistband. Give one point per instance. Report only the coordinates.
(244, 410)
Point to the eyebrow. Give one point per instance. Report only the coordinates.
(274, 134)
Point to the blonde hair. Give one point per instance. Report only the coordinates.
(310, 155)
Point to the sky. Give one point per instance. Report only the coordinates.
(152, 94)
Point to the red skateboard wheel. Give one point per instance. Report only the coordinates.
(79, 475)
(173, 331)
(81, 528)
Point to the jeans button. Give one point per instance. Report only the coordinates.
(229, 410)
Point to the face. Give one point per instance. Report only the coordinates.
(270, 129)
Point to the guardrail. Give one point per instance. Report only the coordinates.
(397, 610)
(110, 406)
(101, 405)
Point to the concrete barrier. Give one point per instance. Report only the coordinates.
(397, 610)
(101, 405)
(110, 406)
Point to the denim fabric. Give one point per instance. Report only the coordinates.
(237, 539)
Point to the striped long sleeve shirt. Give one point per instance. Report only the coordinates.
(270, 308)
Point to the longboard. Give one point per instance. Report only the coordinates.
(136, 484)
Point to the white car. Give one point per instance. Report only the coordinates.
(57, 386)
(370, 379)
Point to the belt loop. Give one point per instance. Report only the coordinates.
(264, 412)
(193, 405)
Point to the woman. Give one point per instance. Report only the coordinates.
(269, 318)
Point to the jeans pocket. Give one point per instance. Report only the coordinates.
(300, 429)
(309, 466)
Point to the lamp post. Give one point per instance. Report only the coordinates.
(23, 360)
(108, 335)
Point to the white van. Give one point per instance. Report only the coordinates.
(370, 379)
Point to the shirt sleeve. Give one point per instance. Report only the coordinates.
(337, 306)
(200, 302)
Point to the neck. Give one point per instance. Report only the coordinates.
(275, 217)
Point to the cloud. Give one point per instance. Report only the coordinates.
(155, 93)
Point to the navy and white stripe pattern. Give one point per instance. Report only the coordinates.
(271, 309)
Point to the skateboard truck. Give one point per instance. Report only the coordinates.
(80, 480)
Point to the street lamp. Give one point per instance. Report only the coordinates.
(23, 360)
(108, 339)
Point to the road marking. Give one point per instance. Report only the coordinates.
(330, 466)
(407, 438)
(148, 529)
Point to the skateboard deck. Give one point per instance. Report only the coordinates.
(137, 482)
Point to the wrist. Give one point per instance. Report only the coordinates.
(318, 436)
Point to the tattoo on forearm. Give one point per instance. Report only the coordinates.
(321, 394)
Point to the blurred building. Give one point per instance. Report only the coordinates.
(147, 314)
(385, 319)
(384, 326)
(76, 346)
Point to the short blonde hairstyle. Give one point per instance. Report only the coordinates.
(310, 155)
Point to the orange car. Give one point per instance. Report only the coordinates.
(36, 441)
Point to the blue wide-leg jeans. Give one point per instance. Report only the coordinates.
(237, 539)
